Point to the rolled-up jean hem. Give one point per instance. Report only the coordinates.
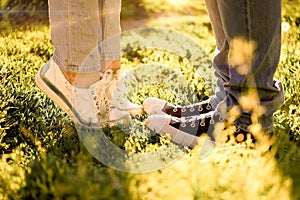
(85, 69)
(110, 56)
(265, 122)
(76, 68)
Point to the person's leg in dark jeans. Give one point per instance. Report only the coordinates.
(248, 40)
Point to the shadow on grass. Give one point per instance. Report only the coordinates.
(288, 159)
(67, 170)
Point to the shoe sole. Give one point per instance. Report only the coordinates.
(53, 93)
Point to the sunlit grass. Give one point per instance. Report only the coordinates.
(228, 173)
(43, 158)
(175, 7)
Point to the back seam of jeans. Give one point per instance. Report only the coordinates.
(248, 19)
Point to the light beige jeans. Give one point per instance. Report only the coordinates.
(79, 27)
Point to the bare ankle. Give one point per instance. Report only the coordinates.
(82, 80)
(85, 80)
(110, 64)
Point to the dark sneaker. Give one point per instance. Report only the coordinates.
(185, 131)
(154, 105)
(241, 136)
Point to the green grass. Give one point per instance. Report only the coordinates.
(43, 158)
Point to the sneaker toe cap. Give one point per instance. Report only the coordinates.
(135, 109)
(158, 122)
(153, 105)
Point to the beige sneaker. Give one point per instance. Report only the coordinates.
(109, 95)
(92, 106)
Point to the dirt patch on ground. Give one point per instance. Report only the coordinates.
(132, 24)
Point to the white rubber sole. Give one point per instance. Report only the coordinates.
(52, 95)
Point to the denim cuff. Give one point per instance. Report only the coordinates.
(245, 120)
(110, 56)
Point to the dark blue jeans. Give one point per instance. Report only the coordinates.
(248, 40)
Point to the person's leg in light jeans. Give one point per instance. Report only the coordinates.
(109, 44)
(78, 27)
(83, 73)
(258, 23)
